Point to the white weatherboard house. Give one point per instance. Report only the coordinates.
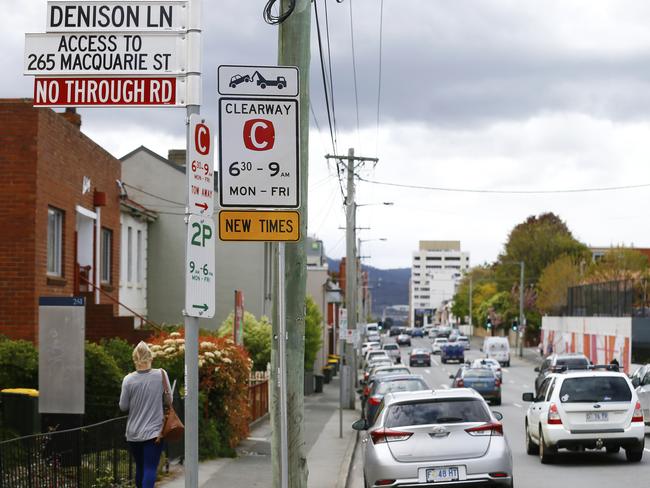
(159, 184)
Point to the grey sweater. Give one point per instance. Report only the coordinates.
(142, 397)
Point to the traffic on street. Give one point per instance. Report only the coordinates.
(417, 430)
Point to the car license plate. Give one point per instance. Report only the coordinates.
(597, 417)
(478, 385)
(449, 473)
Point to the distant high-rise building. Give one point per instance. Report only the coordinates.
(436, 271)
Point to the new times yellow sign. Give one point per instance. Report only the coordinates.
(259, 225)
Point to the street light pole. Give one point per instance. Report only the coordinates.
(520, 338)
(471, 292)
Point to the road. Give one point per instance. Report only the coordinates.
(574, 470)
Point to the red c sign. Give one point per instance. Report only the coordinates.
(259, 135)
(202, 139)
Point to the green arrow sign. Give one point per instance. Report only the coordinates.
(203, 307)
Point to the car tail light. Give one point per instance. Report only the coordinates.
(499, 474)
(384, 482)
(460, 383)
(386, 435)
(497, 382)
(492, 428)
(637, 416)
(554, 415)
(374, 400)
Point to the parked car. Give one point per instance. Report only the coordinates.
(393, 351)
(437, 343)
(497, 348)
(390, 384)
(558, 361)
(452, 351)
(375, 363)
(419, 357)
(374, 353)
(417, 332)
(483, 380)
(580, 410)
(367, 346)
(395, 330)
(374, 337)
(488, 363)
(464, 340)
(403, 340)
(426, 438)
(378, 371)
(641, 382)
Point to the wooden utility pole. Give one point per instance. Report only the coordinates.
(293, 50)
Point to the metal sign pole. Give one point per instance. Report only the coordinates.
(282, 353)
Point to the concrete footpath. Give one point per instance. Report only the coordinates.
(328, 456)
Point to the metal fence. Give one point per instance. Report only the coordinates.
(625, 298)
(87, 457)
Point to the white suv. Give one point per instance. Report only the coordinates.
(393, 351)
(579, 410)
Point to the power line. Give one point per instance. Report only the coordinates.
(154, 195)
(381, 37)
(507, 192)
(354, 68)
(329, 65)
(322, 67)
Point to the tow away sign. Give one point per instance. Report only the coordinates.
(267, 226)
(200, 174)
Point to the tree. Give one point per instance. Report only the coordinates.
(257, 338)
(500, 308)
(618, 264)
(483, 287)
(538, 241)
(554, 283)
(313, 332)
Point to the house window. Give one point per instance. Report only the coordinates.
(129, 254)
(54, 241)
(138, 256)
(107, 249)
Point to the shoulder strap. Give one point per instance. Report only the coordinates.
(164, 381)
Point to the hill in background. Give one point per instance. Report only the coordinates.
(388, 286)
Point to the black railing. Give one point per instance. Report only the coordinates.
(624, 298)
(91, 456)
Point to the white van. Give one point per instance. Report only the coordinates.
(497, 348)
(372, 328)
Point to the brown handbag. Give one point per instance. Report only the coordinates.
(173, 429)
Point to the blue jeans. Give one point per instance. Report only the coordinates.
(147, 457)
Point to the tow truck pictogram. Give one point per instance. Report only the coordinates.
(262, 82)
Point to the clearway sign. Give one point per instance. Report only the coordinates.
(259, 152)
(200, 173)
(117, 16)
(200, 267)
(153, 54)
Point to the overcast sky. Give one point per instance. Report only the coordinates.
(477, 94)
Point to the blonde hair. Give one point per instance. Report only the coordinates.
(142, 356)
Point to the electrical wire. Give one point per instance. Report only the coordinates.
(507, 192)
(154, 195)
(329, 65)
(322, 67)
(381, 39)
(272, 19)
(354, 69)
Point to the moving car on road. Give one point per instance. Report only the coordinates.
(497, 348)
(641, 383)
(417, 332)
(580, 410)
(483, 380)
(437, 343)
(390, 384)
(452, 351)
(464, 340)
(419, 357)
(432, 438)
(489, 363)
(403, 340)
(555, 361)
(393, 351)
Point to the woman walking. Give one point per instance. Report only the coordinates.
(142, 396)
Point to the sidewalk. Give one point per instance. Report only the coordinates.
(328, 456)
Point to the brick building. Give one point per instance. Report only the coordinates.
(58, 185)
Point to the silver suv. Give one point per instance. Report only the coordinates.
(431, 438)
(393, 351)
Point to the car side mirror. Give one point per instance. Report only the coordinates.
(528, 397)
(360, 424)
(451, 376)
(498, 416)
(360, 390)
(536, 369)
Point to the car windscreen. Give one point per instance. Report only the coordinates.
(595, 389)
(388, 347)
(406, 384)
(436, 412)
(385, 372)
(478, 373)
(573, 363)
